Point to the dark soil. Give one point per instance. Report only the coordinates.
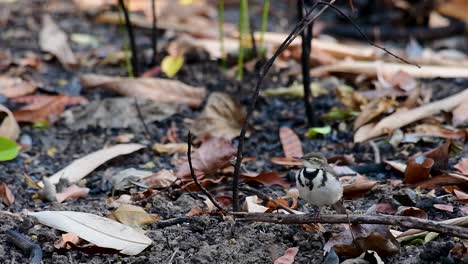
(204, 239)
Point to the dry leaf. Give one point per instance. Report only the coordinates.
(385, 208)
(251, 205)
(373, 110)
(286, 161)
(354, 186)
(403, 81)
(98, 230)
(462, 166)
(411, 211)
(213, 154)
(11, 87)
(292, 146)
(67, 238)
(461, 196)
(44, 107)
(126, 178)
(132, 215)
(223, 116)
(437, 131)
(81, 167)
(170, 148)
(161, 179)
(418, 169)
(156, 89)
(266, 178)
(53, 40)
(72, 192)
(367, 237)
(444, 207)
(288, 257)
(9, 128)
(440, 155)
(6, 195)
(404, 117)
(460, 115)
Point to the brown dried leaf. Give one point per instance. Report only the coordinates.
(53, 40)
(461, 196)
(286, 161)
(288, 257)
(11, 87)
(213, 154)
(441, 180)
(6, 195)
(65, 239)
(440, 155)
(374, 109)
(385, 208)
(367, 237)
(9, 128)
(354, 186)
(161, 179)
(433, 130)
(44, 107)
(462, 166)
(266, 178)
(72, 192)
(223, 116)
(411, 211)
(403, 81)
(444, 207)
(291, 143)
(156, 89)
(418, 169)
(132, 215)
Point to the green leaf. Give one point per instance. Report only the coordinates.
(339, 114)
(41, 124)
(314, 131)
(8, 149)
(170, 65)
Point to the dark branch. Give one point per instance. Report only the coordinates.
(194, 177)
(131, 37)
(401, 221)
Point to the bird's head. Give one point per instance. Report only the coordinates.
(314, 160)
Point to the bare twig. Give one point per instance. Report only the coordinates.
(194, 177)
(308, 18)
(306, 37)
(401, 221)
(142, 119)
(154, 33)
(131, 37)
(26, 245)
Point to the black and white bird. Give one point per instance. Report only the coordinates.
(317, 182)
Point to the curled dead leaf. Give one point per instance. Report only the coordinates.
(411, 211)
(6, 195)
(354, 186)
(161, 179)
(213, 154)
(53, 40)
(132, 215)
(418, 169)
(156, 89)
(223, 116)
(9, 128)
(292, 146)
(252, 205)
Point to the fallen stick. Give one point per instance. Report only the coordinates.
(401, 221)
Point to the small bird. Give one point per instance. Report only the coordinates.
(317, 182)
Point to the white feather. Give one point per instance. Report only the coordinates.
(320, 195)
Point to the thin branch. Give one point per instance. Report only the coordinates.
(192, 172)
(370, 42)
(131, 37)
(306, 37)
(154, 33)
(261, 76)
(142, 119)
(401, 221)
(26, 245)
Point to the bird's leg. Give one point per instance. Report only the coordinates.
(317, 214)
